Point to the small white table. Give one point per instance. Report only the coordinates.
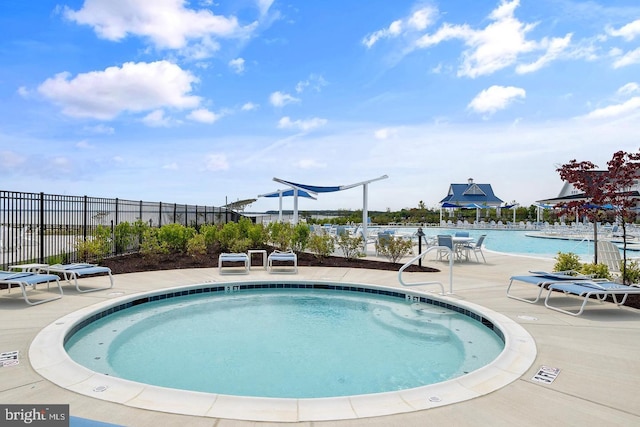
(31, 268)
(458, 244)
(250, 252)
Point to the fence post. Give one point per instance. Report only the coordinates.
(41, 230)
(84, 226)
(160, 216)
(186, 215)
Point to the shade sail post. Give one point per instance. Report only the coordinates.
(295, 205)
(365, 214)
(280, 209)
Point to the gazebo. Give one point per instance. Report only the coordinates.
(470, 196)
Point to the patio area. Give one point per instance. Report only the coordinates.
(597, 353)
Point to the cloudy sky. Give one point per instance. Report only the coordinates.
(204, 101)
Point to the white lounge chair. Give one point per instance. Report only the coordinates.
(542, 280)
(609, 254)
(475, 248)
(234, 258)
(287, 256)
(25, 279)
(74, 271)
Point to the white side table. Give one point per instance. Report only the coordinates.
(250, 252)
(28, 267)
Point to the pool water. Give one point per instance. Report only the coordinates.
(304, 343)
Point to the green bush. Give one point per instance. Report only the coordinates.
(227, 235)
(95, 247)
(280, 235)
(300, 238)
(176, 236)
(567, 262)
(210, 234)
(351, 246)
(152, 247)
(597, 271)
(321, 245)
(196, 246)
(258, 235)
(124, 236)
(393, 248)
(631, 273)
(240, 245)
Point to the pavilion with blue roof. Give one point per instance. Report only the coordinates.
(471, 196)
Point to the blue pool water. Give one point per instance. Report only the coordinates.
(302, 343)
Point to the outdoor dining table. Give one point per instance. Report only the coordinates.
(458, 245)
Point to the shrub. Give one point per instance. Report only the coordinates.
(210, 234)
(95, 247)
(632, 271)
(351, 246)
(196, 246)
(300, 238)
(597, 271)
(227, 235)
(151, 247)
(124, 235)
(258, 235)
(175, 236)
(567, 262)
(321, 245)
(280, 235)
(240, 245)
(393, 248)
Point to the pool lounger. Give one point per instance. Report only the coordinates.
(287, 256)
(25, 279)
(73, 271)
(233, 257)
(542, 280)
(585, 290)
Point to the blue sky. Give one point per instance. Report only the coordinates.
(205, 101)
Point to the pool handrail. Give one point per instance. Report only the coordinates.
(414, 259)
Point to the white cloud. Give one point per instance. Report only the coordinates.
(303, 125)
(315, 82)
(84, 144)
(629, 107)
(419, 20)
(100, 129)
(629, 89)
(203, 115)
(216, 162)
(554, 48)
(264, 6)
(156, 119)
(237, 65)
(171, 166)
(168, 24)
(280, 99)
(629, 58)
(495, 98)
(134, 87)
(385, 133)
(249, 106)
(627, 32)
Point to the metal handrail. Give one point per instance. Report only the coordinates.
(429, 249)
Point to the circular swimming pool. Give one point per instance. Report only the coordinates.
(310, 350)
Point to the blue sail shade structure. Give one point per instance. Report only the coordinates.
(297, 188)
(287, 193)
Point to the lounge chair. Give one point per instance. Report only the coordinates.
(587, 289)
(542, 280)
(235, 258)
(24, 279)
(280, 256)
(609, 254)
(73, 271)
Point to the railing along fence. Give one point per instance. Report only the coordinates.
(45, 228)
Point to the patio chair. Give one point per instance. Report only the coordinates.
(446, 249)
(282, 257)
(475, 247)
(25, 279)
(234, 258)
(74, 271)
(587, 289)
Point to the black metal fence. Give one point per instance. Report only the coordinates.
(37, 227)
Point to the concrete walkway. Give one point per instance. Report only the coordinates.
(597, 352)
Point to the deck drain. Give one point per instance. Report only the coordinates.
(100, 388)
(435, 399)
(524, 317)
(115, 294)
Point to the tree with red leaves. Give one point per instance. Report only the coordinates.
(602, 188)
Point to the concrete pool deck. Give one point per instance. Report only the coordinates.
(597, 353)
